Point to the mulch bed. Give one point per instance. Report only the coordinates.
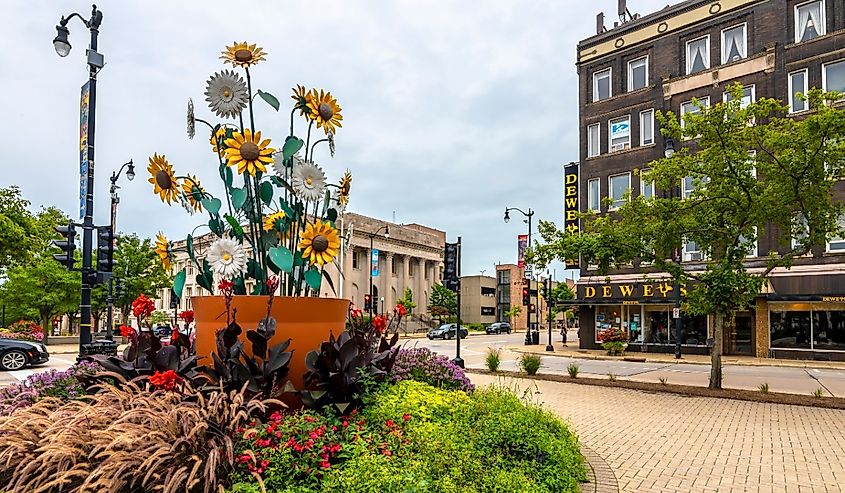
(684, 390)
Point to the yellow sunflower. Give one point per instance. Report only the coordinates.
(190, 185)
(219, 134)
(344, 188)
(162, 249)
(242, 54)
(273, 219)
(324, 110)
(319, 243)
(248, 152)
(163, 179)
(301, 96)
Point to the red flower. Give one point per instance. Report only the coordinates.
(187, 315)
(380, 324)
(226, 286)
(325, 464)
(174, 336)
(406, 417)
(401, 311)
(166, 380)
(272, 283)
(390, 423)
(142, 307)
(126, 331)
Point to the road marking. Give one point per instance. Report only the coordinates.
(21, 375)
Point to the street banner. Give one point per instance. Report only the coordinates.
(521, 245)
(84, 165)
(374, 262)
(571, 222)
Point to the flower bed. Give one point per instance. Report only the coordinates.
(64, 385)
(422, 365)
(23, 330)
(613, 340)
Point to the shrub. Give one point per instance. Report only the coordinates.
(663, 380)
(572, 369)
(23, 330)
(422, 365)
(493, 359)
(763, 388)
(611, 377)
(530, 363)
(64, 385)
(819, 393)
(613, 340)
(124, 439)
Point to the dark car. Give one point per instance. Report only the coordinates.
(162, 331)
(446, 331)
(15, 354)
(498, 328)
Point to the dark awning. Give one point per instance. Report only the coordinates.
(807, 287)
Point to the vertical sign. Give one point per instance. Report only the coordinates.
(374, 262)
(521, 245)
(570, 205)
(84, 165)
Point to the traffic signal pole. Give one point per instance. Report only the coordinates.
(458, 360)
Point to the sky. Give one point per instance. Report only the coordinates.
(453, 110)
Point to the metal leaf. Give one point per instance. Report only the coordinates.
(212, 205)
(179, 283)
(313, 279)
(271, 100)
(291, 146)
(265, 191)
(282, 258)
(238, 197)
(236, 228)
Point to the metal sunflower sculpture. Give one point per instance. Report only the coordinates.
(279, 212)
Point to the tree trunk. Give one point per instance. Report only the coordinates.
(46, 327)
(716, 351)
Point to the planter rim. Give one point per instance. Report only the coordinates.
(258, 296)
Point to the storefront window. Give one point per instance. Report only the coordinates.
(693, 330)
(829, 330)
(790, 328)
(650, 324)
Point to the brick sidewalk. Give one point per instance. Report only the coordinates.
(669, 443)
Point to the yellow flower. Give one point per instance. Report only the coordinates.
(162, 249)
(324, 110)
(319, 243)
(344, 188)
(163, 179)
(242, 54)
(189, 186)
(273, 219)
(248, 152)
(301, 96)
(216, 138)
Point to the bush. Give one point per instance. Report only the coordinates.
(474, 327)
(530, 363)
(422, 365)
(493, 359)
(572, 369)
(23, 330)
(64, 385)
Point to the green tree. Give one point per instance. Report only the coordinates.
(559, 295)
(407, 300)
(140, 271)
(442, 302)
(16, 226)
(159, 317)
(755, 171)
(512, 313)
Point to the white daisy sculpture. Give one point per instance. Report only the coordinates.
(227, 258)
(308, 181)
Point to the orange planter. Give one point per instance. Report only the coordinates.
(306, 321)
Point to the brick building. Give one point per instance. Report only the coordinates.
(661, 61)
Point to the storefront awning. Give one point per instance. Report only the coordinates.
(807, 288)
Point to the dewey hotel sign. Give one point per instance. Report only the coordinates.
(570, 205)
(628, 293)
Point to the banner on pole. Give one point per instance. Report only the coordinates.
(521, 245)
(84, 165)
(374, 263)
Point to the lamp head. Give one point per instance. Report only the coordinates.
(507, 216)
(130, 171)
(60, 43)
(669, 147)
(387, 231)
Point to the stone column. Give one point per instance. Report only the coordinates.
(762, 332)
(346, 276)
(389, 301)
(419, 273)
(406, 280)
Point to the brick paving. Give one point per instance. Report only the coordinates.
(670, 443)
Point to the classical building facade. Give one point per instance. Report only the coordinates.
(661, 61)
(410, 256)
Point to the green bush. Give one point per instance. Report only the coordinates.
(474, 327)
(530, 363)
(493, 359)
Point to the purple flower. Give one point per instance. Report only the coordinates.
(425, 366)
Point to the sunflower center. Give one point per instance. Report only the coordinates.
(320, 244)
(249, 151)
(243, 55)
(163, 180)
(326, 111)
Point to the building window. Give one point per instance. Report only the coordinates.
(355, 260)
(833, 76)
(698, 55)
(690, 183)
(488, 310)
(594, 195)
(693, 107)
(797, 85)
(617, 186)
(620, 133)
(809, 21)
(394, 265)
(734, 46)
(646, 127)
(504, 276)
(807, 326)
(750, 244)
(593, 140)
(837, 243)
(411, 268)
(692, 252)
(601, 84)
(747, 97)
(646, 187)
(638, 73)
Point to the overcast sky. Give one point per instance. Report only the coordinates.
(453, 110)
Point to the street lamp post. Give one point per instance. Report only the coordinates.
(549, 346)
(529, 215)
(668, 152)
(95, 63)
(130, 174)
(372, 235)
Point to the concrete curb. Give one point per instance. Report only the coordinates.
(600, 477)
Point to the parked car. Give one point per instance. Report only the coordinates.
(446, 331)
(16, 354)
(162, 331)
(498, 328)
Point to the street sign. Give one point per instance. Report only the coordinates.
(374, 262)
(84, 165)
(676, 313)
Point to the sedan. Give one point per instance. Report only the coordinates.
(16, 354)
(446, 331)
(498, 328)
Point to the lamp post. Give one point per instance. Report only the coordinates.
(549, 346)
(529, 215)
(130, 174)
(95, 63)
(668, 152)
(372, 235)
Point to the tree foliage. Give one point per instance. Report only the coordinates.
(756, 172)
(442, 302)
(16, 227)
(137, 265)
(407, 300)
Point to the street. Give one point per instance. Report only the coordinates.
(780, 379)
(57, 362)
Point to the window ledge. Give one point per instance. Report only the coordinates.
(623, 151)
(623, 95)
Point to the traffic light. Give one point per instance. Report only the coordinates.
(542, 289)
(118, 287)
(526, 299)
(532, 308)
(450, 267)
(367, 302)
(105, 249)
(66, 244)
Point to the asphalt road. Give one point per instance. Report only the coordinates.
(57, 362)
(780, 379)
